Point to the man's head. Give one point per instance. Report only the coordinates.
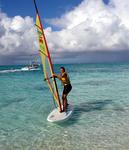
(62, 70)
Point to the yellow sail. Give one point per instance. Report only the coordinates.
(46, 60)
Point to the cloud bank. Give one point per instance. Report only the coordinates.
(17, 39)
(91, 32)
(93, 26)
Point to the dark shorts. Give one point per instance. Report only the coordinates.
(67, 89)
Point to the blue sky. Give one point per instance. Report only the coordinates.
(88, 30)
(49, 8)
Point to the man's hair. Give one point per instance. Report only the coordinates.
(62, 68)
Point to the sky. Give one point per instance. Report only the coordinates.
(77, 31)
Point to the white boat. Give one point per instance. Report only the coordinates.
(33, 66)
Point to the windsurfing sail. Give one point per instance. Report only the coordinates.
(46, 60)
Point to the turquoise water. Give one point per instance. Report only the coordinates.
(100, 120)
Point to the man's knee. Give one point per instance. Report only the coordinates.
(64, 96)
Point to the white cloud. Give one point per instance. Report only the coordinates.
(89, 28)
(17, 39)
(93, 26)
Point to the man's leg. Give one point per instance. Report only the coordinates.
(64, 99)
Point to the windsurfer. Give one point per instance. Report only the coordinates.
(65, 80)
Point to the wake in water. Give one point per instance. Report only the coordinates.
(10, 70)
(16, 70)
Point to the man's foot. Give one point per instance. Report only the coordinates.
(61, 111)
(65, 109)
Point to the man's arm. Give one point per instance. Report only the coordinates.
(57, 76)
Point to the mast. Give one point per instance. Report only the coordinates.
(49, 57)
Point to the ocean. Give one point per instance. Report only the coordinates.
(100, 121)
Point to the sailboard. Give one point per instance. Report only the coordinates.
(48, 72)
(56, 116)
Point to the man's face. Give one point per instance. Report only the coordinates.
(61, 71)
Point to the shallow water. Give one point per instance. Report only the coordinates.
(100, 120)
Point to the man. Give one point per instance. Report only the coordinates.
(64, 78)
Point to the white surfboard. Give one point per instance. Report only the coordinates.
(56, 116)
